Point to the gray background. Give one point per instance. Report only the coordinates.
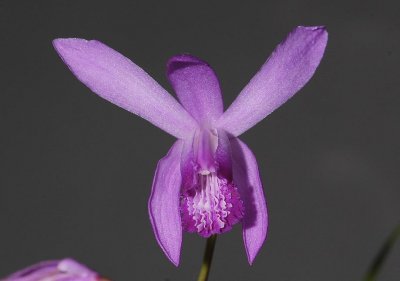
(76, 171)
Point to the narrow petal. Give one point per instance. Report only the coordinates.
(196, 86)
(285, 72)
(164, 203)
(247, 178)
(118, 80)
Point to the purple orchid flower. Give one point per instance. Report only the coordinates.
(209, 179)
(55, 270)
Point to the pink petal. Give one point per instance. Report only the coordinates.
(57, 270)
(34, 271)
(164, 203)
(285, 72)
(118, 80)
(196, 86)
(247, 178)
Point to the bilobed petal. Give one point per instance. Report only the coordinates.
(247, 178)
(118, 80)
(285, 72)
(164, 203)
(196, 86)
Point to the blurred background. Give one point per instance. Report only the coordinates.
(76, 171)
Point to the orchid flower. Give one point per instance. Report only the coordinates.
(209, 179)
(55, 270)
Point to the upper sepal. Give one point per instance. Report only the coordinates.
(197, 87)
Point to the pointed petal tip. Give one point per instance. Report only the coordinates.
(58, 44)
(175, 261)
(252, 254)
(64, 44)
(65, 47)
(61, 43)
(312, 28)
(250, 259)
(318, 29)
(253, 244)
(173, 257)
(55, 42)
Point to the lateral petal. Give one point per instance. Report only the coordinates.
(285, 72)
(118, 80)
(164, 203)
(247, 178)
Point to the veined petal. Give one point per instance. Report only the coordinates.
(196, 86)
(118, 80)
(247, 179)
(285, 72)
(164, 203)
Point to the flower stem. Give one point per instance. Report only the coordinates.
(376, 265)
(207, 259)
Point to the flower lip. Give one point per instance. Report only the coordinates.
(212, 206)
(210, 203)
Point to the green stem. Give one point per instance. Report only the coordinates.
(207, 259)
(377, 263)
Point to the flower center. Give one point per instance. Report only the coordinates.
(212, 206)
